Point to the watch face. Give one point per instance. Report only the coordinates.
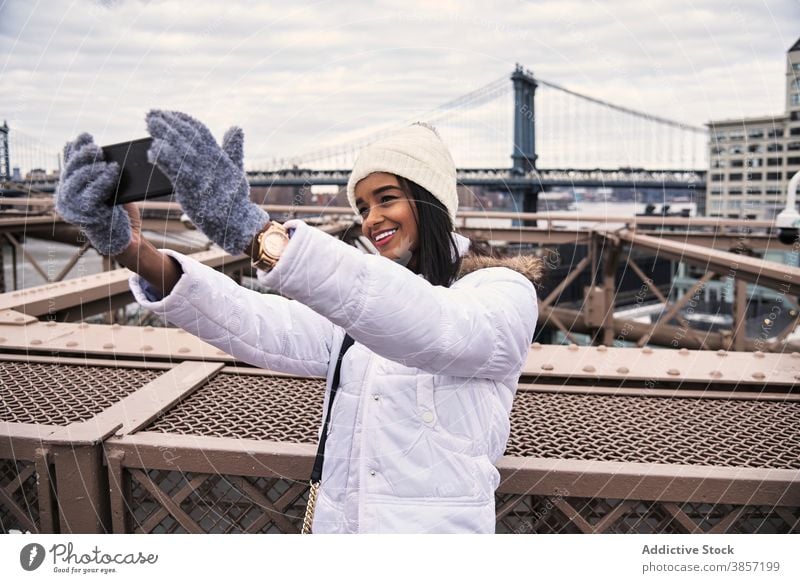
(275, 243)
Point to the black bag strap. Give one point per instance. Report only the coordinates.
(316, 473)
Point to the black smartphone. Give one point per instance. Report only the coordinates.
(139, 179)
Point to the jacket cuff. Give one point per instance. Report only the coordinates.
(307, 246)
(147, 295)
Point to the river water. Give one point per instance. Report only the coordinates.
(51, 257)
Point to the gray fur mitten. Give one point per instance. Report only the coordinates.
(209, 181)
(86, 182)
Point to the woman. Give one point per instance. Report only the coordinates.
(440, 335)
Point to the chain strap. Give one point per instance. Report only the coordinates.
(312, 502)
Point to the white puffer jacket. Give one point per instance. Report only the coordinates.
(422, 411)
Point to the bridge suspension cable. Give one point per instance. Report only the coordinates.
(629, 111)
(572, 130)
(444, 112)
(579, 131)
(29, 153)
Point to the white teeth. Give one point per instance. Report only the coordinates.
(384, 235)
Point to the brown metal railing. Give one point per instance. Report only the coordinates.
(127, 446)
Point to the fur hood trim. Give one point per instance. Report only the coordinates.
(529, 266)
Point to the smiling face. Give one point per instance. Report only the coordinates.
(386, 209)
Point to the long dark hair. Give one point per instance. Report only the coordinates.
(436, 246)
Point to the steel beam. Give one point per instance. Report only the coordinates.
(738, 371)
(642, 481)
(602, 363)
(666, 335)
(743, 226)
(776, 276)
(100, 290)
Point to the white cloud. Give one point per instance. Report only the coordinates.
(297, 76)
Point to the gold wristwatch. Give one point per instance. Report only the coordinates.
(268, 246)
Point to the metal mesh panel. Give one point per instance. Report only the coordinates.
(643, 517)
(232, 504)
(767, 519)
(214, 503)
(18, 479)
(255, 407)
(554, 515)
(60, 394)
(692, 431)
(531, 514)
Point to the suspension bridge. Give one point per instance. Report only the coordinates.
(520, 134)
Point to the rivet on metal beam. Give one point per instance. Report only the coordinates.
(108, 345)
(716, 374)
(573, 347)
(19, 319)
(722, 353)
(537, 345)
(51, 323)
(673, 372)
(72, 343)
(222, 353)
(588, 368)
(647, 350)
(2, 339)
(148, 328)
(115, 326)
(547, 366)
(623, 370)
(683, 351)
(147, 348)
(184, 349)
(36, 341)
(759, 375)
(602, 348)
(83, 325)
(758, 354)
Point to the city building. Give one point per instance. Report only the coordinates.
(751, 160)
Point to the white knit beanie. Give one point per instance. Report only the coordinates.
(416, 153)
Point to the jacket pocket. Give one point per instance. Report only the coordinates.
(429, 419)
(429, 469)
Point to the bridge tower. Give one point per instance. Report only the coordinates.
(524, 147)
(524, 154)
(5, 167)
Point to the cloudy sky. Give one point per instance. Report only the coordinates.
(301, 75)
